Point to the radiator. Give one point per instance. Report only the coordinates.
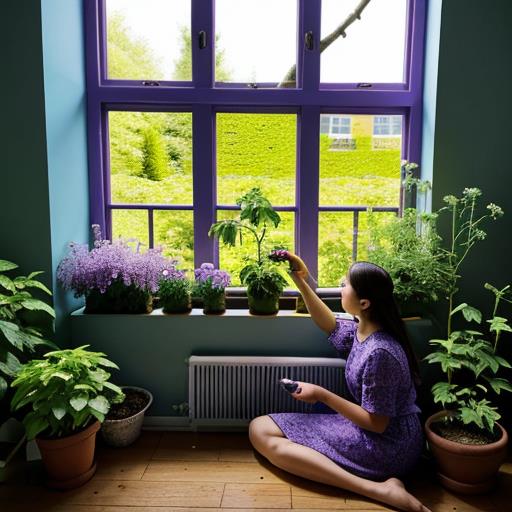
(229, 390)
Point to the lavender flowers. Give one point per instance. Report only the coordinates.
(114, 269)
(210, 285)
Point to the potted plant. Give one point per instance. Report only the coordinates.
(68, 394)
(465, 438)
(113, 277)
(174, 292)
(409, 249)
(210, 285)
(20, 336)
(123, 422)
(263, 280)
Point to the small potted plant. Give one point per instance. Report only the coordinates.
(123, 422)
(211, 285)
(175, 292)
(465, 438)
(113, 277)
(69, 394)
(263, 280)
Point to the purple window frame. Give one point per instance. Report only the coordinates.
(204, 99)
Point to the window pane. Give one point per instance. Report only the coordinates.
(148, 40)
(335, 243)
(373, 49)
(255, 41)
(174, 231)
(151, 157)
(131, 224)
(352, 172)
(256, 150)
(233, 259)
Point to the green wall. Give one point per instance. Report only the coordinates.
(25, 210)
(44, 202)
(472, 128)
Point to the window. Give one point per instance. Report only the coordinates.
(191, 103)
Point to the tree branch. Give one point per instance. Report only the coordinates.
(290, 77)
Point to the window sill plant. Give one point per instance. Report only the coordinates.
(409, 248)
(175, 292)
(112, 276)
(210, 285)
(68, 394)
(263, 280)
(465, 438)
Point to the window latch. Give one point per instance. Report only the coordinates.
(364, 85)
(308, 40)
(150, 83)
(202, 39)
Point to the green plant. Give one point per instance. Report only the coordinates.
(18, 335)
(468, 349)
(261, 277)
(66, 390)
(409, 247)
(154, 157)
(174, 291)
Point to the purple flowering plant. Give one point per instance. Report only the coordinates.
(174, 291)
(210, 281)
(111, 268)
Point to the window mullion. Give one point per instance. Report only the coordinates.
(203, 58)
(308, 61)
(306, 227)
(204, 183)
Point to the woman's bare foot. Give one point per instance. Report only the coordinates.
(393, 492)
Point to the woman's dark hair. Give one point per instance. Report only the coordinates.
(373, 283)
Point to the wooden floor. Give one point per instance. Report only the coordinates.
(184, 471)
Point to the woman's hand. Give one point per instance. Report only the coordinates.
(297, 266)
(309, 393)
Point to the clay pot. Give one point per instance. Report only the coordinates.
(466, 468)
(263, 305)
(69, 461)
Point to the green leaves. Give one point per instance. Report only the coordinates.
(257, 209)
(226, 231)
(7, 265)
(65, 390)
(470, 313)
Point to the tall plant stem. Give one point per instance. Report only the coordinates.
(452, 292)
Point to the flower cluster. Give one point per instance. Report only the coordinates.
(209, 277)
(108, 262)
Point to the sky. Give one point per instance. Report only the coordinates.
(259, 39)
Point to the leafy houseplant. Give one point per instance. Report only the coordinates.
(17, 335)
(112, 276)
(69, 394)
(210, 285)
(470, 362)
(409, 248)
(263, 280)
(174, 291)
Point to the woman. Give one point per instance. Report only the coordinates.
(370, 441)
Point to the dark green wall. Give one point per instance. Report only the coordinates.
(473, 128)
(25, 210)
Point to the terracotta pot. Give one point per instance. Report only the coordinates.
(69, 461)
(466, 468)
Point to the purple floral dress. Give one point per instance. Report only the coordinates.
(378, 378)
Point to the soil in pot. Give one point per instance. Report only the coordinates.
(465, 434)
(134, 402)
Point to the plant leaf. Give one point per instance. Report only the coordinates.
(59, 412)
(7, 265)
(38, 305)
(100, 404)
(79, 402)
(7, 283)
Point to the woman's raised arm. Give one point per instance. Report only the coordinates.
(320, 313)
